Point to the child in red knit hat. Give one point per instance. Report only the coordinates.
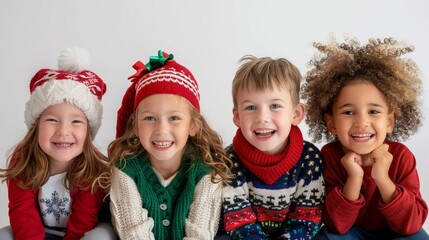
(278, 189)
(52, 174)
(168, 165)
(362, 99)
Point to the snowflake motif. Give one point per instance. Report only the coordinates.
(55, 206)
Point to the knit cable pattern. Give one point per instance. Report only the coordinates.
(129, 219)
(203, 219)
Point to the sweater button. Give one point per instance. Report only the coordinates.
(163, 206)
(165, 222)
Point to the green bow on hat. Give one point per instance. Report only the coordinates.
(155, 62)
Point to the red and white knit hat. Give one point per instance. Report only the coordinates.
(72, 84)
(162, 75)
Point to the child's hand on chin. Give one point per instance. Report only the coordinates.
(382, 159)
(352, 162)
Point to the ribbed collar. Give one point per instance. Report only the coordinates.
(267, 167)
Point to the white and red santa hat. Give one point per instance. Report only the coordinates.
(72, 83)
(161, 75)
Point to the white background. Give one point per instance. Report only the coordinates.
(208, 37)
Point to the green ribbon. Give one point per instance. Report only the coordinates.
(154, 63)
(157, 61)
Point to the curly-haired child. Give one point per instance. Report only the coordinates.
(363, 99)
(278, 188)
(53, 174)
(169, 165)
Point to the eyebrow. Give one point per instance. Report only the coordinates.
(54, 114)
(370, 104)
(173, 112)
(271, 100)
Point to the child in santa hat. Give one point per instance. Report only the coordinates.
(52, 172)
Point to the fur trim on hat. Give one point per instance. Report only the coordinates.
(66, 91)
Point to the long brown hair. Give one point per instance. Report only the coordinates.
(29, 165)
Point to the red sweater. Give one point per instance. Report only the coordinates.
(405, 214)
(25, 220)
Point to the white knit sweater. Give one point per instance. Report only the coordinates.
(131, 221)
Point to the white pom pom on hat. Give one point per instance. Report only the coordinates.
(74, 59)
(71, 83)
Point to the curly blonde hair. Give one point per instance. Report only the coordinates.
(206, 145)
(378, 62)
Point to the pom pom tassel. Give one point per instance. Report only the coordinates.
(74, 59)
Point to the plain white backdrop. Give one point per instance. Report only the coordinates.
(208, 37)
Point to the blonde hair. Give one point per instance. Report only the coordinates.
(29, 165)
(208, 145)
(256, 74)
(379, 63)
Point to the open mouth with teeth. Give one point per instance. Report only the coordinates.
(362, 137)
(264, 133)
(63, 145)
(163, 144)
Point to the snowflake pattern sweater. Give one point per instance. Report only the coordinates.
(274, 196)
(25, 216)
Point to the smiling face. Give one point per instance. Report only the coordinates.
(265, 118)
(62, 132)
(164, 124)
(360, 118)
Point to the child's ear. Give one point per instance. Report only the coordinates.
(390, 122)
(136, 131)
(236, 117)
(194, 129)
(330, 125)
(299, 114)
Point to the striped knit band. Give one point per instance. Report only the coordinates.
(170, 79)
